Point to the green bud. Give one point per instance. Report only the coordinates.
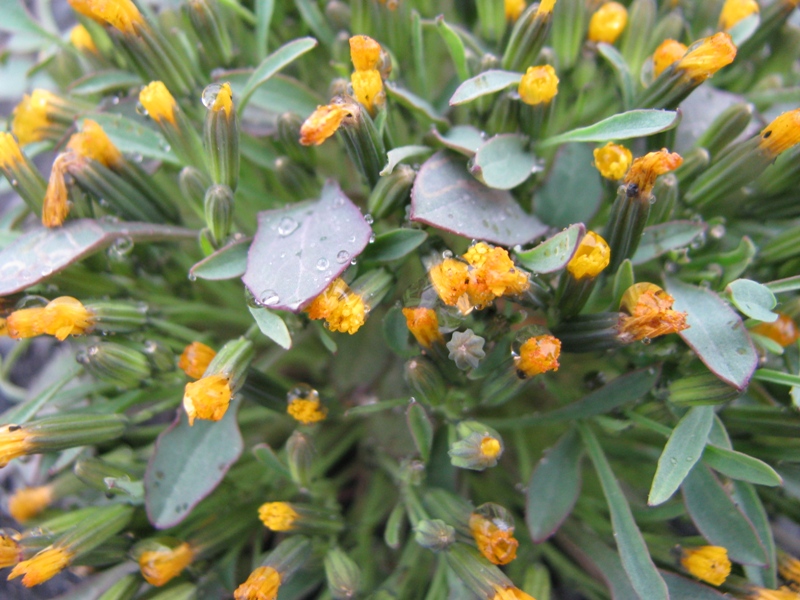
(100, 525)
(51, 434)
(479, 448)
(477, 573)
(637, 39)
(123, 589)
(289, 556)
(625, 225)
(425, 381)
(527, 38)
(193, 184)
(218, 206)
(289, 124)
(342, 574)
(160, 356)
(589, 333)
(702, 389)
(206, 18)
(221, 134)
(114, 363)
(363, 141)
(118, 316)
(451, 508)
(233, 360)
(300, 454)
(391, 192)
(434, 534)
(666, 192)
(98, 474)
(569, 31)
(728, 125)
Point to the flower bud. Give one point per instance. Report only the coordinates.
(117, 364)
(43, 115)
(612, 160)
(425, 381)
(208, 23)
(11, 552)
(479, 448)
(80, 37)
(61, 317)
(21, 173)
(101, 475)
(221, 134)
(195, 358)
(434, 534)
(118, 316)
(668, 53)
(193, 184)
(278, 567)
(391, 191)
(608, 22)
(342, 574)
(218, 205)
(481, 577)
(26, 503)
(295, 178)
(734, 11)
(700, 390)
(342, 308)
(591, 257)
(299, 518)
(728, 126)
(528, 36)
(304, 406)
(539, 85)
(707, 563)
(300, 455)
(161, 560)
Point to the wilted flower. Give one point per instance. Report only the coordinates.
(160, 566)
(10, 551)
(195, 359)
(734, 11)
(706, 57)
(647, 313)
(43, 566)
(492, 528)
(26, 503)
(424, 325)
(647, 168)
(538, 355)
(262, 584)
(668, 52)
(207, 398)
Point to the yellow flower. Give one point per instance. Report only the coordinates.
(10, 551)
(66, 316)
(789, 568)
(706, 57)
(510, 593)
(26, 503)
(158, 102)
(80, 37)
(538, 355)
(223, 99)
(278, 516)
(56, 207)
(10, 153)
(364, 52)
(43, 566)
(3, 327)
(591, 257)
(25, 323)
(120, 14)
(342, 309)
(491, 447)
(781, 134)
(160, 566)
(494, 538)
(195, 359)
(667, 53)
(207, 398)
(539, 85)
(648, 313)
(782, 330)
(262, 584)
(93, 143)
(612, 160)
(322, 124)
(545, 7)
(368, 89)
(783, 593)
(449, 279)
(707, 563)
(734, 11)
(493, 274)
(513, 9)
(306, 409)
(424, 325)
(608, 22)
(31, 116)
(645, 169)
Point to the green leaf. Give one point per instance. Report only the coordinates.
(455, 46)
(464, 139)
(394, 245)
(684, 448)
(681, 588)
(299, 249)
(633, 552)
(272, 326)
(446, 196)
(553, 253)
(781, 286)
(572, 191)
(25, 411)
(750, 504)
(414, 103)
(398, 155)
(267, 457)
(42, 252)
(188, 463)
(317, 23)
(133, 138)
(631, 124)
(776, 377)
(503, 163)
(103, 82)
(737, 465)
(623, 279)
(554, 487)
(276, 61)
(369, 409)
(484, 84)
(421, 429)
(226, 263)
(716, 333)
(662, 238)
(719, 519)
(394, 526)
(745, 28)
(621, 70)
(264, 10)
(590, 550)
(753, 299)
(395, 332)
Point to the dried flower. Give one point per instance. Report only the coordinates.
(493, 274)
(612, 160)
(648, 313)
(262, 584)
(466, 349)
(43, 566)
(164, 564)
(668, 52)
(322, 124)
(158, 102)
(304, 406)
(538, 355)
(513, 9)
(32, 116)
(207, 398)
(26, 503)
(423, 325)
(364, 52)
(645, 169)
(61, 318)
(539, 85)
(608, 22)
(590, 258)
(781, 134)
(734, 11)
(707, 563)
(342, 309)
(10, 153)
(120, 14)
(14, 442)
(492, 528)
(195, 359)
(706, 57)
(278, 516)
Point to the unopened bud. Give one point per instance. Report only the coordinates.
(221, 134)
(116, 364)
(218, 205)
(391, 192)
(425, 381)
(434, 534)
(698, 390)
(118, 316)
(342, 574)
(300, 454)
(193, 184)
(207, 21)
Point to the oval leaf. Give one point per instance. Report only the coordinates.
(554, 253)
(486, 83)
(569, 195)
(103, 82)
(414, 103)
(753, 299)
(298, 250)
(631, 124)
(681, 588)
(187, 465)
(464, 139)
(737, 465)
(684, 448)
(623, 73)
(660, 239)
(36, 255)
(554, 487)
(446, 196)
(716, 333)
(503, 163)
(398, 155)
(272, 326)
(226, 263)
(394, 245)
(750, 504)
(719, 519)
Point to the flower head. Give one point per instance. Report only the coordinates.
(43, 566)
(450, 278)
(342, 309)
(207, 398)
(368, 89)
(781, 134)
(612, 160)
(782, 330)
(278, 516)
(423, 325)
(14, 442)
(55, 207)
(647, 313)
(706, 57)
(66, 316)
(10, 153)
(158, 102)
(26, 503)
(734, 11)
(493, 274)
(479, 448)
(164, 564)
(539, 85)
(93, 143)
(262, 584)
(510, 593)
(538, 355)
(789, 568)
(304, 406)
(10, 551)
(707, 563)
(545, 7)
(223, 101)
(783, 593)
(31, 116)
(120, 14)
(668, 52)
(513, 9)
(80, 37)
(493, 532)
(364, 52)
(645, 169)
(195, 359)
(322, 123)
(608, 22)
(466, 349)
(590, 258)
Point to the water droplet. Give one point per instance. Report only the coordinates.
(338, 202)
(269, 298)
(210, 94)
(368, 218)
(287, 226)
(447, 254)
(141, 110)
(673, 461)
(14, 182)
(322, 264)
(121, 248)
(351, 239)
(646, 340)
(372, 239)
(115, 100)
(192, 277)
(354, 261)
(342, 257)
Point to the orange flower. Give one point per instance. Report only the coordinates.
(734, 11)
(782, 331)
(10, 551)
(648, 313)
(43, 566)
(278, 516)
(262, 584)
(364, 52)
(207, 398)
(510, 592)
(120, 14)
(14, 442)
(494, 538)
(591, 257)
(608, 22)
(538, 355)
(342, 309)
(707, 563)
(612, 160)
(449, 279)
(195, 359)
(645, 169)
(32, 116)
(26, 503)
(707, 56)
(513, 9)
(539, 85)
(667, 53)
(158, 102)
(160, 566)
(781, 134)
(306, 407)
(322, 124)
(424, 325)
(66, 316)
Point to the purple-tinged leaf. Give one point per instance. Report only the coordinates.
(681, 588)
(660, 239)
(40, 253)
(503, 163)
(226, 263)
(554, 253)
(464, 139)
(446, 196)
(486, 83)
(716, 333)
(298, 250)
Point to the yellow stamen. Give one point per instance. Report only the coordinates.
(782, 331)
(26, 503)
(648, 313)
(591, 257)
(364, 52)
(278, 516)
(195, 359)
(368, 89)
(491, 447)
(781, 134)
(545, 7)
(510, 593)
(612, 160)
(307, 410)
(10, 153)
(160, 566)
(322, 124)
(80, 37)
(31, 116)
(223, 100)
(645, 169)
(538, 355)
(608, 22)
(513, 9)
(207, 398)
(493, 274)
(93, 143)
(424, 325)
(734, 11)
(158, 102)
(707, 563)
(262, 584)
(66, 316)
(539, 85)
(120, 14)
(10, 551)
(494, 538)
(706, 57)
(667, 53)
(43, 566)
(342, 309)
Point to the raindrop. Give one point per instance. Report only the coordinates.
(14, 182)
(646, 340)
(372, 239)
(322, 264)
(342, 257)
(354, 261)
(192, 277)
(338, 202)
(673, 461)
(351, 239)
(287, 226)
(447, 254)
(368, 218)
(209, 96)
(115, 100)
(141, 110)
(269, 298)
(717, 231)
